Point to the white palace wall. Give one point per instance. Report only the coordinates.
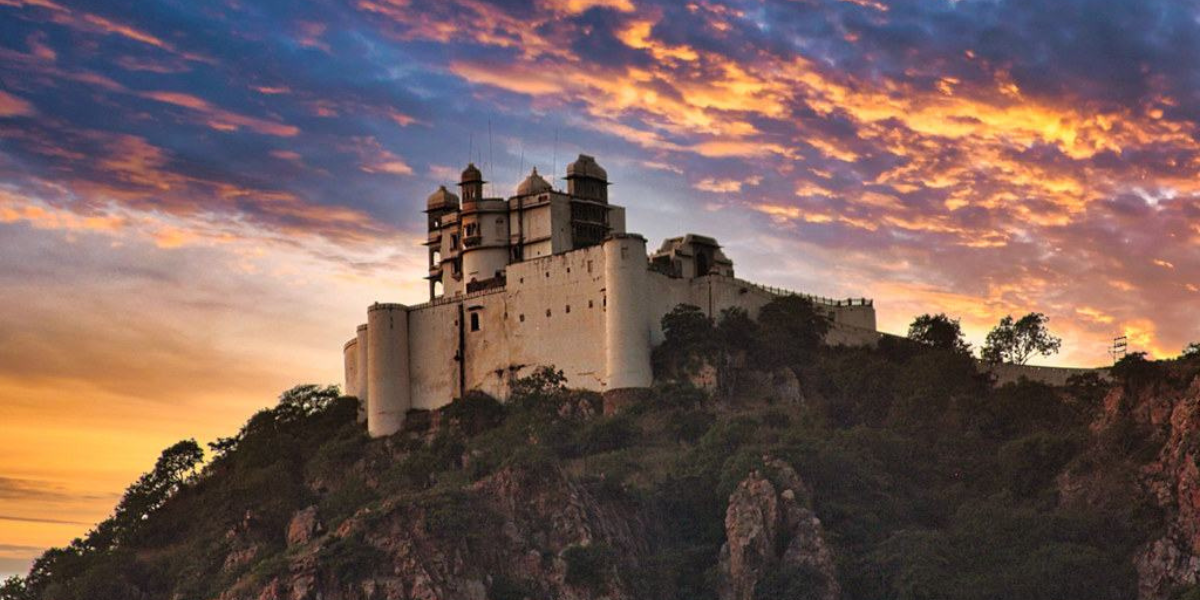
(553, 310)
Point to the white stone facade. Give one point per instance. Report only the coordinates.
(590, 307)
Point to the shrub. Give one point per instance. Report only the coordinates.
(473, 414)
(1136, 371)
(690, 425)
(588, 566)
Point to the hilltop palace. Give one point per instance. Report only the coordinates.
(545, 277)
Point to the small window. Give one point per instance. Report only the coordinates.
(589, 266)
(474, 321)
(521, 318)
(568, 269)
(624, 252)
(547, 313)
(547, 274)
(522, 280)
(568, 311)
(591, 304)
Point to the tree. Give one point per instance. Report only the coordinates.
(1016, 342)
(306, 400)
(791, 329)
(938, 331)
(1192, 350)
(14, 588)
(690, 339)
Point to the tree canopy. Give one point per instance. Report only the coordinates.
(1017, 341)
(938, 331)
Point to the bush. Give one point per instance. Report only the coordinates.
(473, 414)
(588, 566)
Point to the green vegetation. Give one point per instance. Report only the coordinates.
(930, 481)
(1017, 341)
(938, 331)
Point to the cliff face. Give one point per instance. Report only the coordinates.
(1169, 479)
(506, 536)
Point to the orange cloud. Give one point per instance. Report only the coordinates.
(220, 119)
(12, 106)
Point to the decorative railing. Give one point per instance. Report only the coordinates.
(818, 300)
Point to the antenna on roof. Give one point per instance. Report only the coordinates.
(491, 155)
(1118, 349)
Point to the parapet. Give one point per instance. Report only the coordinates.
(384, 306)
(353, 342)
(625, 236)
(362, 327)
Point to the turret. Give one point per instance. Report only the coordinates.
(627, 315)
(533, 185)
(471, 184)
(587, 179)
(388, 396)
(361, 388)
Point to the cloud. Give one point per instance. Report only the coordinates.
(12, 106)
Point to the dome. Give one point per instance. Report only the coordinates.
(534, 184)
(441, 197)
(586, 166)
(471, 174)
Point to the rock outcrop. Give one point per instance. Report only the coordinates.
(511, 530)
(770, 528)
(1167, 423)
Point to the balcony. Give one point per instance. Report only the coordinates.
(472, 240)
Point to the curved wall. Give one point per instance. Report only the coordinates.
(350, 367)
(627, 317)
(388, 398)
(363, 390)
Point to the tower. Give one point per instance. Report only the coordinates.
(471, 184)
(440, 207)
(389, 395)
(361, 389)
(626, 316)
(483, 227)
(587, 179)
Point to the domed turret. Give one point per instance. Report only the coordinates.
(587, 179)
(534, 184)
(471, 183)
(471, 174)
(586, 166)
(442, 198)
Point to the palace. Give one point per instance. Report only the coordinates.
(544, 277)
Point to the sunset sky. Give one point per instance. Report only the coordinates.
(198, 199)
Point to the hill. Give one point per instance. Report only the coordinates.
(766, 466)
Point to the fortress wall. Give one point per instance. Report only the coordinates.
(433, 342)
(505, 347)
(857, 316)
(572, 341)
(1006, 373)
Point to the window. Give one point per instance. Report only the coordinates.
(547, 313)
(591, 304)
(589, 266)
(474, 321)
(521, 318)
(547, 274)
(568, 311)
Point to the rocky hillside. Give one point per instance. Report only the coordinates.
(768, 468)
